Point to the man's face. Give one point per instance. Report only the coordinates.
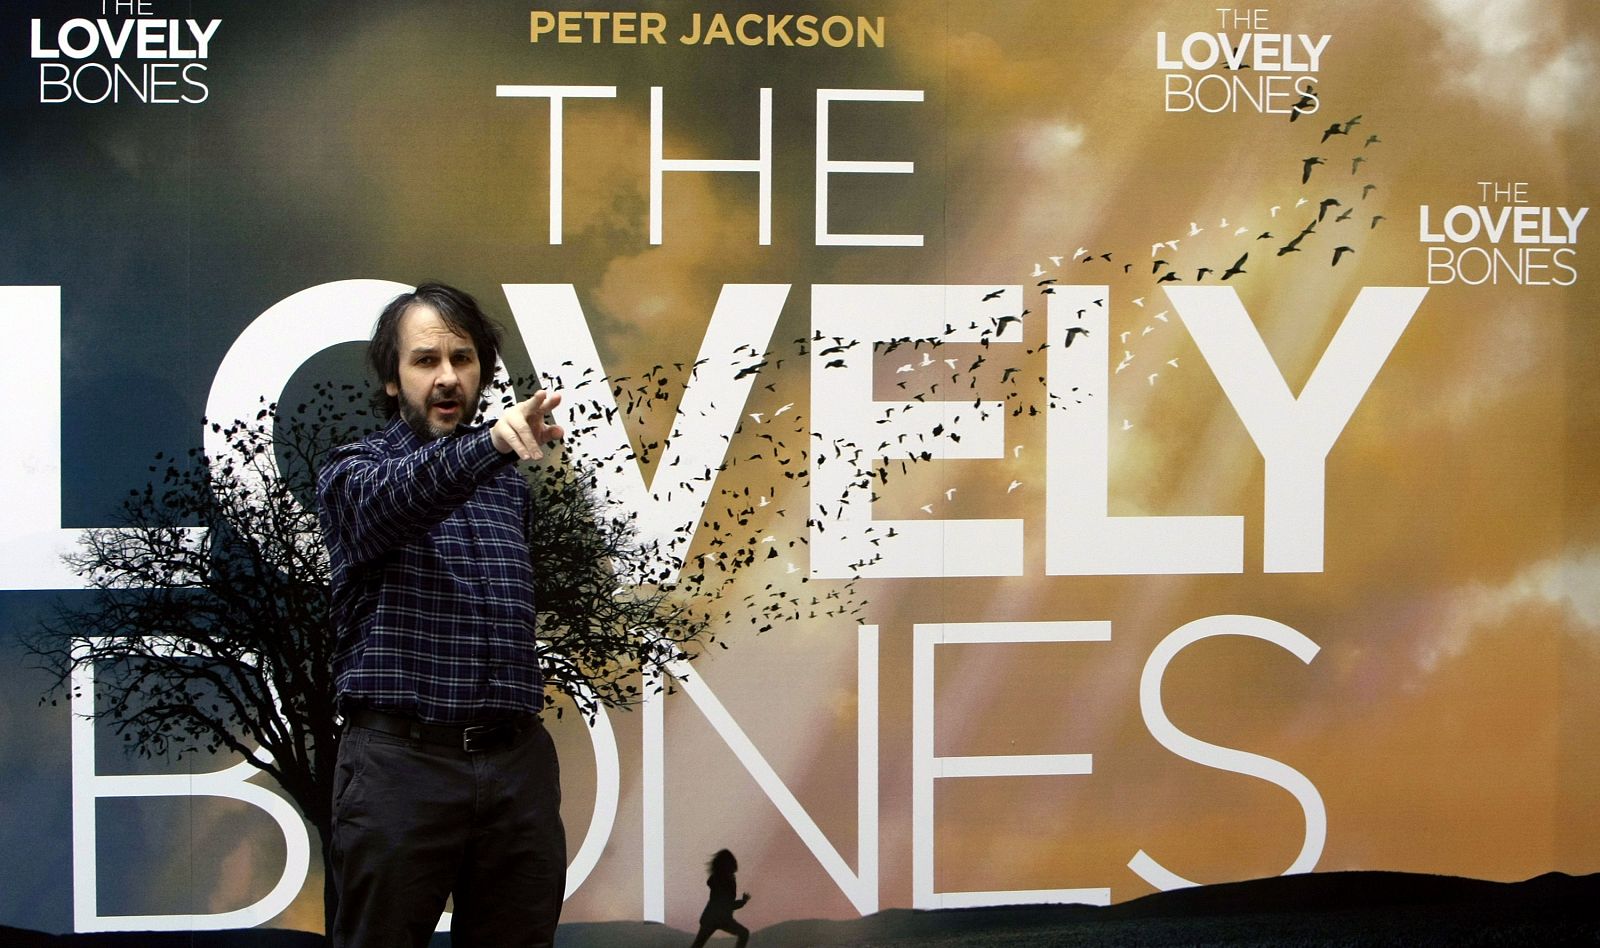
(439, 372)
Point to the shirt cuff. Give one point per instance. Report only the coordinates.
(476, 453)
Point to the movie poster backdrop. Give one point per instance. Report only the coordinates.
(1174, 425)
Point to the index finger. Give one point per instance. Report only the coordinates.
(539, 402)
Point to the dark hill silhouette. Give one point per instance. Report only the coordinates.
(1325, 908)
(1329, 908)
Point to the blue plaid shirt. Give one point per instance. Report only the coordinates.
(432, 585)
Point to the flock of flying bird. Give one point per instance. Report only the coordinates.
(761, 513)
(1334, 211)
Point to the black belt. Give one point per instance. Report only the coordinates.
(472, 738)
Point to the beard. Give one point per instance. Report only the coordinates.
(416, 415)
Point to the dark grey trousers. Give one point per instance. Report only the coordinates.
(415, 822)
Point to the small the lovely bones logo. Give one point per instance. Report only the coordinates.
(1240, 67)
(125, 54)
(1507, 237)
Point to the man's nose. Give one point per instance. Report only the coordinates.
(446, 377)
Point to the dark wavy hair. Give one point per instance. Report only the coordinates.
(722, 864)
(458, 310)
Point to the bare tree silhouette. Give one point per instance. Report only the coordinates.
(210, 627)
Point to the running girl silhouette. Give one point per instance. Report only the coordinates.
(718, 914)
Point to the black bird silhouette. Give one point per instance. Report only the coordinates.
(1323, 208)
(1156, 267)
(1345, 215)
(1339, 252)
(1307, 98)
(1265, 235)
(995, 295)
(1375, 219)
(1238, 267)
(1072, 332)
(1335, 129)
(1373, 140)
(1201, 274)
(1294, 245)
(1367, 189)
(1306, 164)
(1169, 276)
(1355, 163)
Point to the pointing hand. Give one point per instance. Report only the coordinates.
(522, 428)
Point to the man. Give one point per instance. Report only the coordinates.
(446, 781)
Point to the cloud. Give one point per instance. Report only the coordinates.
(1043, 145)
(1570, 582)
(1514, 56)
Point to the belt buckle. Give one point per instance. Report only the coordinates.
(478, 737)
